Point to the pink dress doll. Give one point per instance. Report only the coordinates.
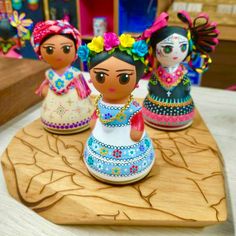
(169, 105)
(67, 107)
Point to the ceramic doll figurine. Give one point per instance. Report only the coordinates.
(67, 107)
(118, 151)
(169, 105)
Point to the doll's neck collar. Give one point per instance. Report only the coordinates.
(168, 79)
(62, 71)
(170, 69)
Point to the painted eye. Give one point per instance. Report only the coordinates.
(66, 49)
(167, 49)
(100, 77)
(183, 47)
(49, 50)
(124, 78)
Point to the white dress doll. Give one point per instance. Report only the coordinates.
(67, 107)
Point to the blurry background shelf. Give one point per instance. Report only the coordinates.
(18, 82)
(89, 9)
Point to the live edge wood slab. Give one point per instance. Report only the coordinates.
(19, 79)
(46, 172)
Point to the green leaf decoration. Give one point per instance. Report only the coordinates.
(122, 48)
(186, 81)
(111, 51)
(129, 52)
(153, 82)
(136, 58)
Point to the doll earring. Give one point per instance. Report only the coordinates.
(90, 81)
(137, 86)
(40, 57)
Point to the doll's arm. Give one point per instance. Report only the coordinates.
(137, 126)
(93, 120)
(43, 88)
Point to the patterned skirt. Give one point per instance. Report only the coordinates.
(66, 113)
(169, 113)
(119, 164)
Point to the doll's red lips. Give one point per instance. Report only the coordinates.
(112, 90)
(175, 58)
(59, 59)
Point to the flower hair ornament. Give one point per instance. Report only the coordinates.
(111, 42)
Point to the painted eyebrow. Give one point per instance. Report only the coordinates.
(66, 43)
(166, 44)
(97, 68)
(124, 70)
(49, 44)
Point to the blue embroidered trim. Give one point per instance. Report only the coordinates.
(119, 161)
(108, 112)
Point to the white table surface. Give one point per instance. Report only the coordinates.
(218, 109)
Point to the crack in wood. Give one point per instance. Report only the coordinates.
(202, 193)
(213, 206)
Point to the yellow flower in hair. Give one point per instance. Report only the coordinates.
(97, 44)
(126, 40)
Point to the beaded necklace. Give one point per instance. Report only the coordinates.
(105, 121)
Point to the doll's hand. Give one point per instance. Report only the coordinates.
(137, 127)
(136, 135)
(45, 91)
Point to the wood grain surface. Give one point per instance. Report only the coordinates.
(185, 187)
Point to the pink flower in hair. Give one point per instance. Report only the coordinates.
(110, 40)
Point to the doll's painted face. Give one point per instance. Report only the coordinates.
(113, 78)
(58, 51)
(172, 50)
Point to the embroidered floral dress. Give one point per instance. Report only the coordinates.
(169, 104)
(110, 154)
(67, 107)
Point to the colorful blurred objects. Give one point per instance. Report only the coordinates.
(33, 5)
(14, 30)
(20, 23)
(17, 4)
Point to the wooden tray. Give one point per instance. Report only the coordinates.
(185, 187)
